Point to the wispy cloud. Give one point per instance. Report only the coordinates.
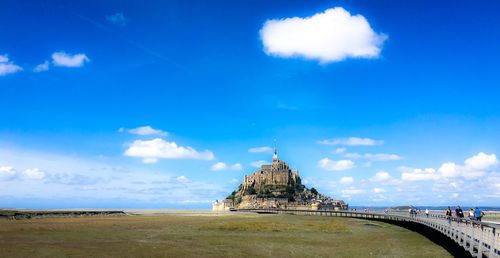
(144, 131)
(373, 156)
(352, 141)
(42, 67)
(263, 149)
(117, 18)
(258, 163)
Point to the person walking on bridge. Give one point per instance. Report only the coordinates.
(448, 214)
(471, 215)
(427, 213)
(459, 213)
(478, 214)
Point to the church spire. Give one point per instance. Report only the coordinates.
(275, 156)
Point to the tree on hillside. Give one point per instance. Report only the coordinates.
(314, 191)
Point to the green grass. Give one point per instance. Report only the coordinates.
(211, 236)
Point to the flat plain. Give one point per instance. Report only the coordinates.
(210, 235)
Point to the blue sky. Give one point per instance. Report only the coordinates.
(134, 104)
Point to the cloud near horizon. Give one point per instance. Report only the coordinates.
(474, 167)
(8, 173)
(152, 150)
(329, 36)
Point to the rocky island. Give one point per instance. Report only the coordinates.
(277, 186)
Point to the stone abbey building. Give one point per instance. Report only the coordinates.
(277, 186)
(278, 173)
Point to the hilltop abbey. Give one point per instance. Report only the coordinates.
(277, 186)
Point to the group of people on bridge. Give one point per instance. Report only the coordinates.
(474, 214)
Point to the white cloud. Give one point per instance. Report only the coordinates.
(449, 169)
(152, 150)
(351, 191)
(378, 190)
(335, 165)
(236, 166)
(145, 130)
(223, 166)
(182, 179)
(339, 150)
(42, 67)
(474, 167)
(373, 156)
(117, 18)
(89, 180)
(330, 36)
(417, 174)
(381, 176)
(219, 166)
(347, 180)
(7, 67)
(352, 141)
(68, 60)
(34, 173)
(263, 149)
(7, 172)
(258, 163)
(481, 161)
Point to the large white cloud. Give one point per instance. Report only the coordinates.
(335, 165)
(330, 36)
(481, 161)
(67, 60)
(352, 141)
(8, 67)
(474, 167)
(152, 150)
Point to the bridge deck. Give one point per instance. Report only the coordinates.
(478, 238)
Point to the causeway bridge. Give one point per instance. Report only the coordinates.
(479, 239)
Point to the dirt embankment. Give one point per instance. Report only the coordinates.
(31, 214)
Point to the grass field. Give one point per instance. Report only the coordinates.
(211, 236)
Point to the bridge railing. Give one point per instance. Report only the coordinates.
(478, 238)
